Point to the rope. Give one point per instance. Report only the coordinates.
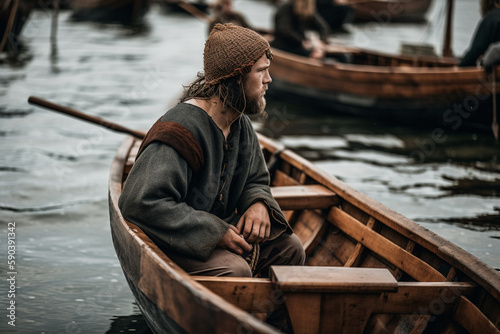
(253, 257)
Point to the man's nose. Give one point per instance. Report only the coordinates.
(267, 78)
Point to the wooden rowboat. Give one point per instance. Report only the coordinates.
(369, 269)
(388, 10)
(420, 89)
(110, 11)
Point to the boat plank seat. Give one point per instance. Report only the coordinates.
(337, 299)
(301, 197)
(333, 279)
(327, 299)
(411, 297)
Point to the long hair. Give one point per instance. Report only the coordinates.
(304, 9)
(487, 5)
(230, 91)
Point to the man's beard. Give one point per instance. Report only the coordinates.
(255, 106)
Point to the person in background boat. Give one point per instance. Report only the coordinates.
(199, 187)
(292, 20)
(335, 14)
(224, 13)
(487, 32)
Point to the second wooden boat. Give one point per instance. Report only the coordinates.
(420, 89)
(368, 269)
(110, 11)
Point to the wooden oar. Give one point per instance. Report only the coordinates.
(193, 10)
(78, 114)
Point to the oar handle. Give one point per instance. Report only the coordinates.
(78, 114)
(193, 10)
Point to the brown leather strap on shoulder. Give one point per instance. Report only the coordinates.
(179, 138)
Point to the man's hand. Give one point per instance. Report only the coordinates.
(233, 242)
(317, 47)
(255, 224)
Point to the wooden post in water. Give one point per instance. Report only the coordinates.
(53, 30)
(447, 50)
(494, 123)
(10, 22)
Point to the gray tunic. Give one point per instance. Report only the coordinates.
(189, 212)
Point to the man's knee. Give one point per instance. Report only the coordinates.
(287, 250)
(226, 263)
(297, 252)
(238, 267)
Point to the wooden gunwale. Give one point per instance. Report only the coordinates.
(370, 80)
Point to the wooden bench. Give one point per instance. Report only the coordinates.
(336, 299)
(331, 299)
(301, 197)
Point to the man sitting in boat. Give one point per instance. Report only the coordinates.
(199, 187)
(488, 32)
(292, 19)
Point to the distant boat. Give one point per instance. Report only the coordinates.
(368, 268)
(389, 10)
(110, 11)
(13, 16)
(408, 89)
(380, 86)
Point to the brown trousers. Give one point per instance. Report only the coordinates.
(284, 250)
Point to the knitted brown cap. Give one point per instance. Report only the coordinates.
(230, 50)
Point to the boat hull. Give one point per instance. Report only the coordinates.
(127, 12)
(439, 95)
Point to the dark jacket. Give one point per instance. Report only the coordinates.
(488, 32)
(289, 29)
(186, 210)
